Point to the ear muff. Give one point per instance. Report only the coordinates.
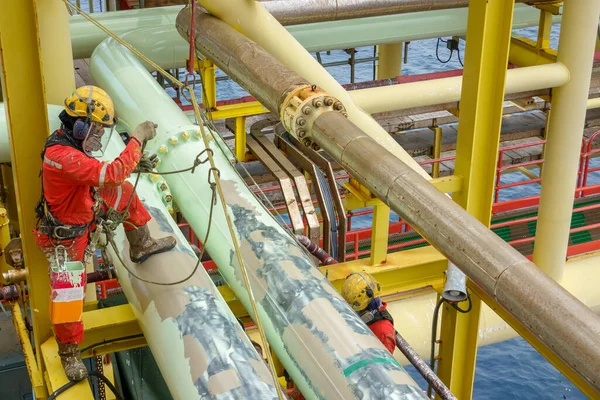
(81, 128)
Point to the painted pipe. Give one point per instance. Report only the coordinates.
(447, 90)
(321, 36)
(199, 346)
(565, 132)
(423, 369)
(552, 314)
(320, 340)
(316, 251)
(260, 26)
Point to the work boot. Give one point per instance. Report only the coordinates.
(143, 246)
(70, 359)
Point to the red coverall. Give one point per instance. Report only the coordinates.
(68, 178)
(384, 330)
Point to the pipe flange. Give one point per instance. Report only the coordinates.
(302, 106)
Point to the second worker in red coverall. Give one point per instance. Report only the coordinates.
(76, 186)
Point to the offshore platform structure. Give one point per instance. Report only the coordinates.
(455, 243)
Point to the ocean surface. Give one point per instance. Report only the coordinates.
(508, 370)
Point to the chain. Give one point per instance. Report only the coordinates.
(217, 181)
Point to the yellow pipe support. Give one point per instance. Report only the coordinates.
(240, 138)
(23, 86)
(35, 376)
(390, 60)
(254, 21)
(524, 52)
(55, 376)
(57, 53)
(447, 90)
(4, 239)
(209, 78)
(544, 29)
(488, 34)
(565, 131)
(380, 233)
(593, 103)
(238, 110)
(437, 150)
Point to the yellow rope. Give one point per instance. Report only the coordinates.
(216, 176)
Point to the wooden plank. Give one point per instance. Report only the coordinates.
(83, 69)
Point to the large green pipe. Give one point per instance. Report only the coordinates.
(162, 43)
(198, 344)
(322, 343)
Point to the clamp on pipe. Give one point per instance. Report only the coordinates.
(302, 106)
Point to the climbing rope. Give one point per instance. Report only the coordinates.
(217, 180)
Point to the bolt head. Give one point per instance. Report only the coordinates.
(307, 142)
(185, 135)
(315, 147)
(173, 140)
(317, 103)
(338, 106)
(301, 133)
(301, 121)
(328, 101)
(163, 149)
(307, 110)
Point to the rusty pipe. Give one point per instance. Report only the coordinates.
(552, 314)
(295, 12)
(423, 369)
(19, 275)
(316, 251)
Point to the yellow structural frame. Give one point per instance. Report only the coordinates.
(489, 26)
(23, 91)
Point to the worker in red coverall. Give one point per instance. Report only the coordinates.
(362, 291)
(76, 187)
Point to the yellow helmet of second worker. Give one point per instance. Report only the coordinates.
(359, 289)
(93, 103)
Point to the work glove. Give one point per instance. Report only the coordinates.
(145, 131)
(147, 163)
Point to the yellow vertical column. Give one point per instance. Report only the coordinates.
(209, 79)
(565, 130)
(488, 36)
(380, 233)
(390, 60)
(23, 89)
(57, 55)
(240, 138)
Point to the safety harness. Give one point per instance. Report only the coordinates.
(370, 317)
(47, 224)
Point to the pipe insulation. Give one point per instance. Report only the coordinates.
(323, 344)
(551, 313)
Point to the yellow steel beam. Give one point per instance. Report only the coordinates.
(524, 53)
(448, 184)
(106, 324)
(588, 390)
(35, 375)
(389, 64)
(55, 374)
(240, 138)
(57, 53)
(403, 272)
(489, 27)
(4, 239)
(209, 79)
(238, 110)
(544, 29)
(437, 150)
(11, 200)
(379, 233)
(27, 119)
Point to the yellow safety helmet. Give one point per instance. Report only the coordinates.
(359, 289)
(93, 103)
